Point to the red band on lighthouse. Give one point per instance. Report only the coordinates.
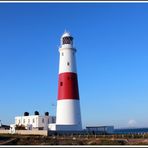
(68, 86)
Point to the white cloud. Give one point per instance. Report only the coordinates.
(132, 122)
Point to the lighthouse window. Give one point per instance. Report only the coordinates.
(67, 40)
(61, 83)
(43, 120)
(62, 54)
(68, 63)
(24, 121)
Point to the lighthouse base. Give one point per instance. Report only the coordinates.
(58, 127)
(68, 112)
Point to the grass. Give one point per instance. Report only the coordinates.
(76, 139)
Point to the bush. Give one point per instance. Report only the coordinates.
(20, 127)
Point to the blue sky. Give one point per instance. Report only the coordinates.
(112, 60)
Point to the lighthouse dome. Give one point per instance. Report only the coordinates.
(66, 34)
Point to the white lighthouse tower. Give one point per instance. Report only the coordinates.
(68, 115)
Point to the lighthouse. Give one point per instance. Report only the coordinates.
(68, 115)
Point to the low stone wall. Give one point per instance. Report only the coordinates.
(26, 132)
(32, 132)
(3, 131)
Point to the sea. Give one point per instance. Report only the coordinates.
(131, 131)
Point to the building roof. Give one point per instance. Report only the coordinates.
(4, 126)
(97, 126)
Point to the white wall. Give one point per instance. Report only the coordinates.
(34, 121)
(67, 55)
(57, 127)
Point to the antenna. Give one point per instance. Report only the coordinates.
(65, 30)
(53, 104)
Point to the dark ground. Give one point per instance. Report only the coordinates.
(7, 139)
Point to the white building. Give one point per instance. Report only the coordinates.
(35, 121)
(101, 129)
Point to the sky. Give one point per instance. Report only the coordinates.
(112, 60)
